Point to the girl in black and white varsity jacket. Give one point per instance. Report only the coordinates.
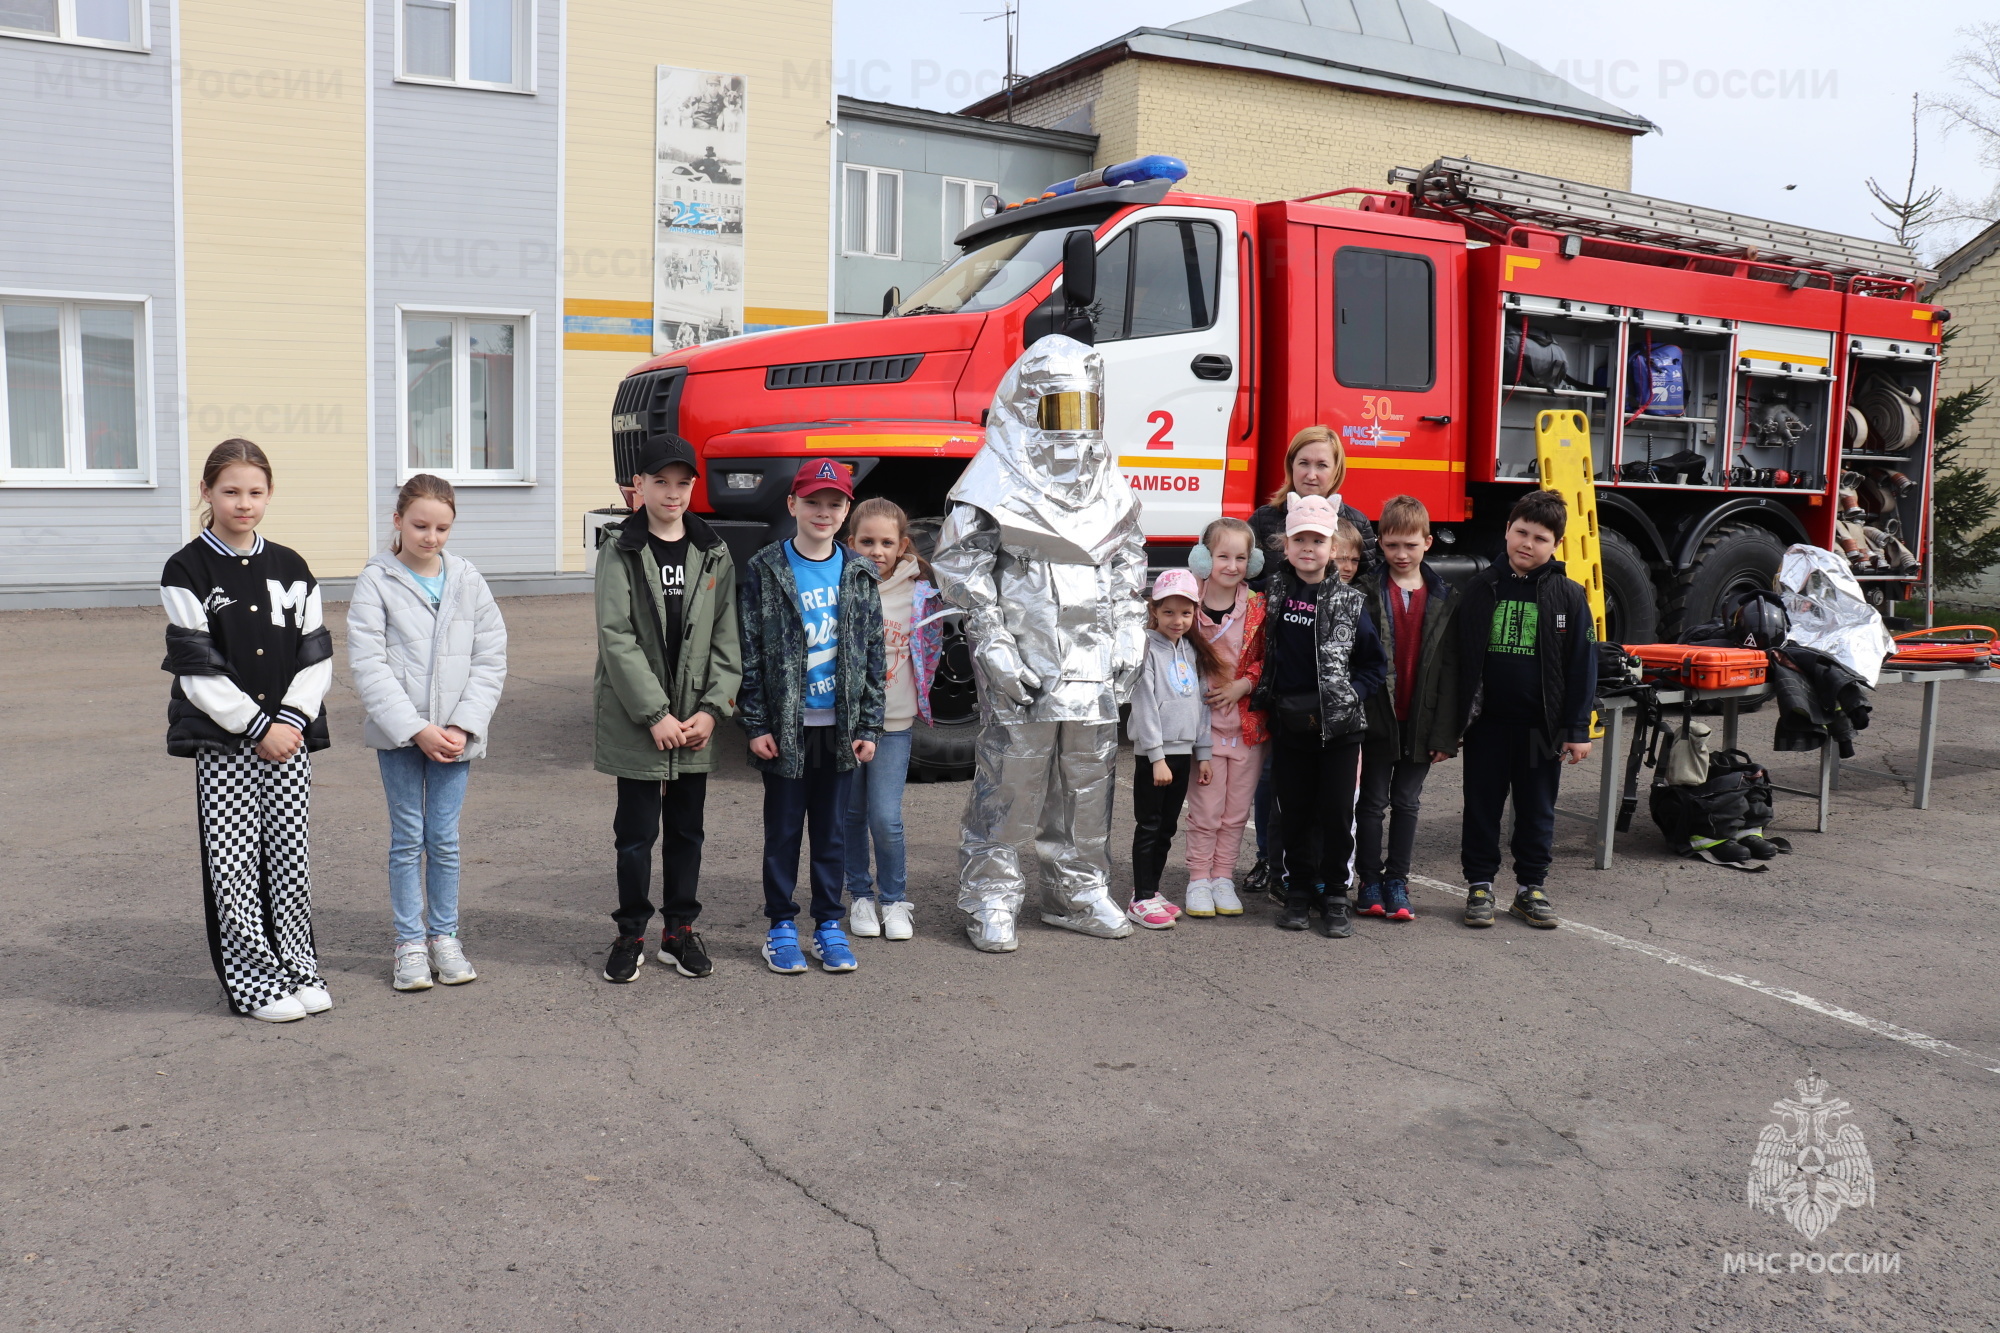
(251, 661)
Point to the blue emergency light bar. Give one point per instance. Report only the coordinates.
(1152, 167)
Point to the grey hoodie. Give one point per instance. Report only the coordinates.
(1164, 720)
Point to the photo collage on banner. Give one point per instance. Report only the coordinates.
(698, 207)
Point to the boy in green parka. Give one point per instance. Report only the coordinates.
(669, 663)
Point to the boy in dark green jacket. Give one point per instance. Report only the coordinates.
(668, 669)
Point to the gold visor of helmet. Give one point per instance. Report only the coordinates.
(1072, 411)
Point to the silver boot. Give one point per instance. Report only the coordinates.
(992, 931)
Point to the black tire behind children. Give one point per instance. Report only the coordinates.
(1632, 611)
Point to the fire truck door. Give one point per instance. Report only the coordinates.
(1166, 319)
(1385, 376)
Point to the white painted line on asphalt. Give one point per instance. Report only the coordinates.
(1785, 993)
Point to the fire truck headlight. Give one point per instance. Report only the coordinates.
(742, 481)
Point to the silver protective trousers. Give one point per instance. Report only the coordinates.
(1047, 785)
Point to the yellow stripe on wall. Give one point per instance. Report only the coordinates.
(764, 314)
(610, 309)
(274, 187)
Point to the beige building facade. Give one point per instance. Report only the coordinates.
(376, 239)
(1275, 99)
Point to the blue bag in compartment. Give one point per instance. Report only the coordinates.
(1657, 385)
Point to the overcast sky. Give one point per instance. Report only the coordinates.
(1720, 145)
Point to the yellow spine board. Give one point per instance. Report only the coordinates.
(1562, 452)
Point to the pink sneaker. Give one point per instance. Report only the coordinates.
(1153, 913)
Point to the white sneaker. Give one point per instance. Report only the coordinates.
(314, 998)
(1223, 891)
(898, 921)
(1200, 900)
(287, 1010)
(413, 966)
(862, 920)
(450, 961)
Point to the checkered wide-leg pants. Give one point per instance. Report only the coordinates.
(256, 874)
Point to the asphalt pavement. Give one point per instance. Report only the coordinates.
(1217, 1127)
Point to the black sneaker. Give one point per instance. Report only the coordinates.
(628, 955)
(1295, 916)
(1333, 916)
(1258, 878)
(682, 947)
(1532, 906)
(1278, 888)
(1479, 905)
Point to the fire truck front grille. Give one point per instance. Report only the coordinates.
(647, 406)
(867, 370)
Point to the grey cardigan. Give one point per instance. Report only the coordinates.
(1164, 721)
(415, 664)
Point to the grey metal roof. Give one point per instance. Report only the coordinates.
(1407, 48)
(917, 118)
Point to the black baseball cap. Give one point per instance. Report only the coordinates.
(662, 450)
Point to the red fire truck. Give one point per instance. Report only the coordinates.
(1732, 369)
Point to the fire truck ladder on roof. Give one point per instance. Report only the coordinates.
(1457, 187)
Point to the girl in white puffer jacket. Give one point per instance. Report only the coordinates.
(428, 653)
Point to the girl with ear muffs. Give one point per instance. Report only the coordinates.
(1230, 617)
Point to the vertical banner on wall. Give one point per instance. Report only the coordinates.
(701, 144)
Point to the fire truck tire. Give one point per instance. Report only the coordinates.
(1734, 557)
(1631, 606)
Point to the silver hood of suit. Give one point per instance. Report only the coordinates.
(1055, 493)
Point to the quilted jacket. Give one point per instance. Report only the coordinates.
(772, 700)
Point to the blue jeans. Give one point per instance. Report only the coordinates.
(424, 801)
(877, 809)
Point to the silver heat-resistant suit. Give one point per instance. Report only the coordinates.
(1041, 548)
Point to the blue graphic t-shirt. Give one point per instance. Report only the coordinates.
(819, 612)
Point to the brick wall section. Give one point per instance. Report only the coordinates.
(1974, 302)
(1258, 136)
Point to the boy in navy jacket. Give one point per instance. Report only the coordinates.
(1525, 659)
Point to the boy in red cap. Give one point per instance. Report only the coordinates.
(811, 704)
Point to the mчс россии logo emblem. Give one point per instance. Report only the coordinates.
(1808, 1166)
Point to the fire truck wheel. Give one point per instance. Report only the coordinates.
(1631, 607)
(1735, 557)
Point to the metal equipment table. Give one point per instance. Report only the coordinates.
(1831, 766)
(1612, 713)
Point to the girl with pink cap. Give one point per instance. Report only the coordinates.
(1169, 727)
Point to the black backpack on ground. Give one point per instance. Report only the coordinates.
(1700, 821)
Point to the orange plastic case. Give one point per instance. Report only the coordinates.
(1701, 668)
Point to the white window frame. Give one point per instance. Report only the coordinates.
(525, 27)
(874, 221)
(72, 475)
(975, 192)
(142, 34)
(523, 471)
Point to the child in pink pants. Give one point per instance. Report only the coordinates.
(1230, 617)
